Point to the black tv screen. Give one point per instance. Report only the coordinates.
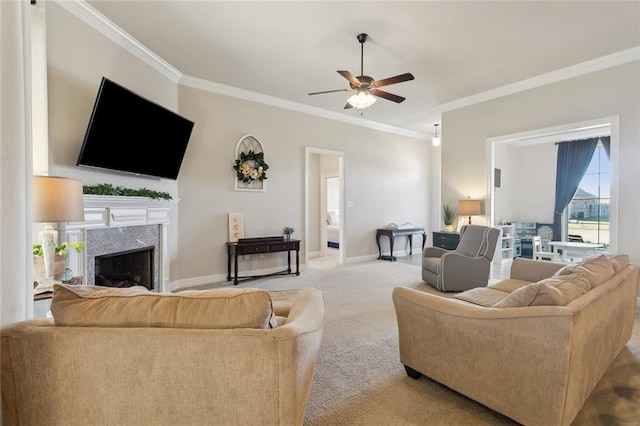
(128, 133)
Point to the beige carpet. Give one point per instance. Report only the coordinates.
(359, 379)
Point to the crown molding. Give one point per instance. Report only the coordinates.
(607, 61)
(98, 21)
(223, 89)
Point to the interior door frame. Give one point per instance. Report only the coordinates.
(343, 217)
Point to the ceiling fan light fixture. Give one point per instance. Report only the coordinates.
(361, 99)
(436, 140)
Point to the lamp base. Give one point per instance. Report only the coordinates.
(45, 286)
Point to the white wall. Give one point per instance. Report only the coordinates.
(387, 175)
(386, 180)
(607, 93)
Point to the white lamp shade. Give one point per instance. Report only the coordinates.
(57, 199)
(436, 141)
(362, 99)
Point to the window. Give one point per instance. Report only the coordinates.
(588, 211)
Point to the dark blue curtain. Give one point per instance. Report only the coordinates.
(573, 160)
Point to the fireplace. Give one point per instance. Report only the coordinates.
(114, 225)
(125, 269)
(114, 245)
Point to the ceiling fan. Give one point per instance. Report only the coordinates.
(366, 88)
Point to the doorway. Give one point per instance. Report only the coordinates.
(519, 196)
(324, 208)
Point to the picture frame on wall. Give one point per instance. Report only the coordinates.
(250, 166)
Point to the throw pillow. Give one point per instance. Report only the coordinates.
(96, 306)
(598, 269)
(619, 261)
(553, 291)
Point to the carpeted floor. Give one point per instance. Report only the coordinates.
(359, 379)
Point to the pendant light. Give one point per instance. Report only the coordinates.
(436, 139)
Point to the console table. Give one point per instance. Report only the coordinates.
(235, 249)
(392, 234)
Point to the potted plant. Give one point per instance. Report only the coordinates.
(287, 231)
(448, 216)
(60, 259)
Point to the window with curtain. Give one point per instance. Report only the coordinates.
(587, 213)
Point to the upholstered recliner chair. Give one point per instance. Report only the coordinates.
(465, 267)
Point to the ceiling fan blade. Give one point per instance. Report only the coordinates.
(393, 80)
(329, 91)
(354, 81)
(348, 105)
(387, 95)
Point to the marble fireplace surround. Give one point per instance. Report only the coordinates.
(113, 224)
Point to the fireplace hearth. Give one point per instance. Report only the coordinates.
(125, 269)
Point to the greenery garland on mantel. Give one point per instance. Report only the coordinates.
(108, 189)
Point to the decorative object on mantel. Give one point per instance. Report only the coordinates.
(287, 231)
(55, 199)
(236, 227)
(448, 216)
(250, 167)
(108, 189)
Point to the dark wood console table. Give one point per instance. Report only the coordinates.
(392, 234)
(236, 249)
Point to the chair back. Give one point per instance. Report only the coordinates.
(477, 240)
(536, 242)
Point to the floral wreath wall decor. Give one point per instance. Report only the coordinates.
(250, 167)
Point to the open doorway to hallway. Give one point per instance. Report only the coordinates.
(325, 215)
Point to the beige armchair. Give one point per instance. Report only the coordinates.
(465, 267)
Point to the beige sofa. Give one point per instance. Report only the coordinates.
(133, 357)
(531, 347)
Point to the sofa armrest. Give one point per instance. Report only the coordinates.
(533, 270)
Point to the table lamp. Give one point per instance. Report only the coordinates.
(469, 208)
(55, 199)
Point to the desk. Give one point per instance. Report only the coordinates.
(392, 234)
(580, 249)
(237, 249)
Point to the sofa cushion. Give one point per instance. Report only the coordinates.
(97, 306)
(553, 291)
(509, 285)
(483, 296)
(598, 269)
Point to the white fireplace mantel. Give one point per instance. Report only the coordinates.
(115, 212)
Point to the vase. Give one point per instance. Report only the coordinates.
(448, 228)
(287, 237)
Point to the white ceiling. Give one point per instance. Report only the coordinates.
(457, 51)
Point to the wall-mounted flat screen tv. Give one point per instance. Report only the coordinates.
(128, 133)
